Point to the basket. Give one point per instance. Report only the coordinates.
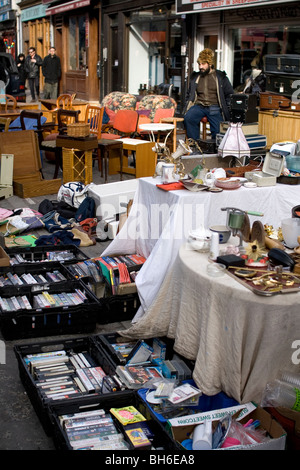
(78, 129)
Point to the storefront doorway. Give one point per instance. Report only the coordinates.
(144, 51)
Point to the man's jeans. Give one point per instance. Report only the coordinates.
(195, 114)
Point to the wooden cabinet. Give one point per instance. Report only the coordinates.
(279, 126)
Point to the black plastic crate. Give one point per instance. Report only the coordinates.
(47, 321)
(106, 341)
(39, 254)
(118, 308)
(44, 270)
(162, 440)
(38, 400)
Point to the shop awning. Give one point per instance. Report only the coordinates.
(69, 6)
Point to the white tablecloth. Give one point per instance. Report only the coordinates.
(160, 221)
(238, 339)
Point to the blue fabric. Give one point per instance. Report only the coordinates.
(62, 237)
(105, 119)
(30, 124)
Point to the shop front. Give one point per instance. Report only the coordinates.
(76, 38)
(142, 48)
(242, 32)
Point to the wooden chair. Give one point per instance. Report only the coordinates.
(4, 124)
(64, 101)
(64, 117)
(36, 123)
(7, 101)
(94, 117)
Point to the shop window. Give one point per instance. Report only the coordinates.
(251, 44)
(147, 47)
(77, 43)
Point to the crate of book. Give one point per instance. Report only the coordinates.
(65, 372)
(45, 254)
(117, 423)
(36, 311)
(117, 308)
(121, 350)
(119, 272)
(32, 275)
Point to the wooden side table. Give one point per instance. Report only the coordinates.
(77, 157)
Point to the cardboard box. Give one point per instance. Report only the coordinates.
(4, 258)
(180, 431)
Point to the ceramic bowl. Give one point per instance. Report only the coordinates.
(228, 183)
(223, 231)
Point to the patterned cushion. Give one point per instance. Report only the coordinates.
(153, 102)
(119, 100)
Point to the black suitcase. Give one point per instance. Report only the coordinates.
(282, 84)
(282, 64)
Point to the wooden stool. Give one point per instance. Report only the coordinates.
(173, 120)
(105, 147)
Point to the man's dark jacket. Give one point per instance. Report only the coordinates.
(51, 68)
(33, 68)
(224, 87)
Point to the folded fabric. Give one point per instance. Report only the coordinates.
(171, 186)
(61, 237)
(57, 222)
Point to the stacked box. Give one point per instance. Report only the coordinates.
(71, 348)
(36, 310)
(45, 254)
(151, 428)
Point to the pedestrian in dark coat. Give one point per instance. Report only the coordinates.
(33, 62)
(51, 69)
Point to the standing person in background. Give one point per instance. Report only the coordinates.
(33, 62)
(21, 69)
(51, 69)
(208, 96)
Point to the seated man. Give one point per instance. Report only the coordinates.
(208, 95)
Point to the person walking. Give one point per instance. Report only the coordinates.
(208, 96)
(51, 69)
(33, 62)
(21, 68)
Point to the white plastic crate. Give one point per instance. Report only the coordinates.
(112, 198)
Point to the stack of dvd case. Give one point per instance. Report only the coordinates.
(62, 372)
(47, 309)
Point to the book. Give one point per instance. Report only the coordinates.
(134, 377)
(184, 392)
(138, 438)
(127, 415)
(140, 353)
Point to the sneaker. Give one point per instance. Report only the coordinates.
(32, 101)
